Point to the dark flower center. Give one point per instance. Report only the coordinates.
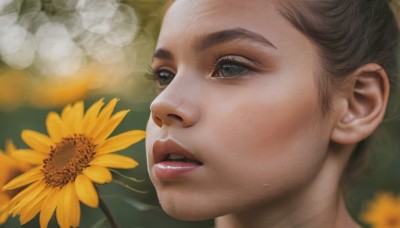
(67, 160)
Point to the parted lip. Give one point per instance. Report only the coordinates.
(162, 148)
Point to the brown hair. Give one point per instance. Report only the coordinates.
(348, 34)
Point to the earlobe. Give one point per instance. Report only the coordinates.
(364, 105)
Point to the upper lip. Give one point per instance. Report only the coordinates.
(161, 149)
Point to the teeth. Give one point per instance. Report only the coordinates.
(175, 156)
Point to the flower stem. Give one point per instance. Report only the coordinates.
(107, 213)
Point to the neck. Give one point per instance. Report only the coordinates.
(318, 204)
(333, 215)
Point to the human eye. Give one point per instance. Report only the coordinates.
(229, 67)
(162, 76)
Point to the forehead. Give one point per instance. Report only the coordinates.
(200, 9)
(188, 19)
(209, 14)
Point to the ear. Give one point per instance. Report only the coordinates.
(362, 108)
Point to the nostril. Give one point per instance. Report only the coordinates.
(173, 116)
(158, 121)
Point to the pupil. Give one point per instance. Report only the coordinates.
(164, 78)
(229, 70)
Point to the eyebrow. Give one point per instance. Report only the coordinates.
(162, 53)
(227, 35)
(212, 39)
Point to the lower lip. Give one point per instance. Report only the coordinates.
(170, 170)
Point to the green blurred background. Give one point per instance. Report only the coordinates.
(54, 52)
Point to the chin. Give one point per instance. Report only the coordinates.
(186, 215)
(188, 210)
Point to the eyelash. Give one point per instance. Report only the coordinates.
(154, 75)
(228, 59)
(218, 62)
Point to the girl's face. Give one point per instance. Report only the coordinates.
(239, 110)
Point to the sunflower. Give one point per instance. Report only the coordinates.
(76, 153)
(10, 167)
(383, 211)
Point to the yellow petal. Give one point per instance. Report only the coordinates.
(6, 160)
(29, 215)
(75, 117)
(22, 195)
(65, 116)
(75, 208)
(62, 211)
(85, 191)
(114, 161)
(66, 204)
(10, 147)
(91, 116)
(30, 156)
(113, 123)
(4, 200)
(48, 207)
(54, 126)
(24, 179)
(3, 217)
(24, 203)
(103, 118)
(98, 174)
(66, 111)
(120, 142)
(33, 207)
(37, 141)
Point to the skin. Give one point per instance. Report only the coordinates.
(268, 154)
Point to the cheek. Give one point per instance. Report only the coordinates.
(279, 139)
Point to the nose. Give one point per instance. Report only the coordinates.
(174, 107)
